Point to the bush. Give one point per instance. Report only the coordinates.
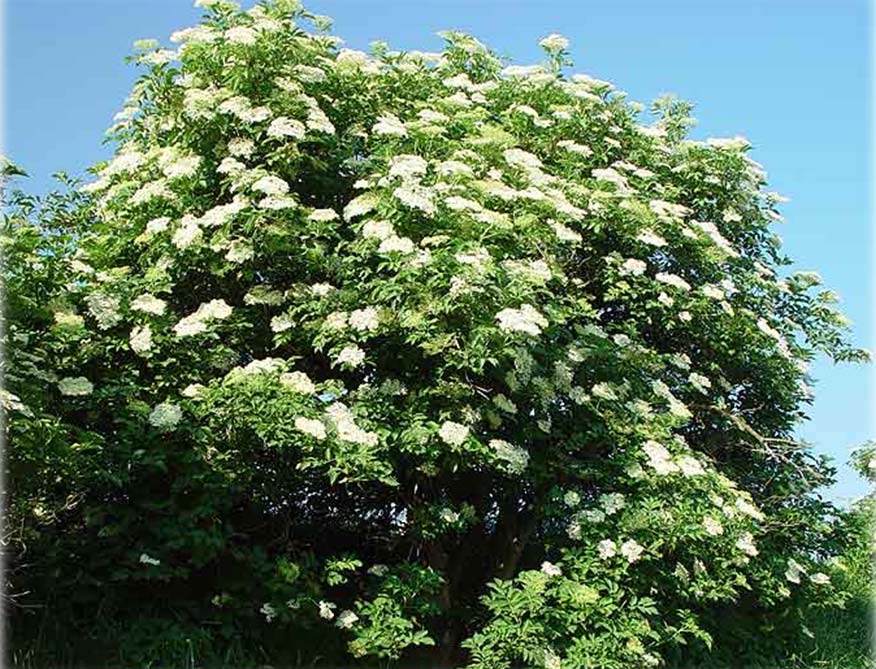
(407, 357)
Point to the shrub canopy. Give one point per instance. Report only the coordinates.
(410, 356)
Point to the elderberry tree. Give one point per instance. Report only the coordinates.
(406, 356)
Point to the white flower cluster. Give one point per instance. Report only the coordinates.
(311, 426)
(345, 425)
(165, 416)
(364, 320)
(631, 549)
(141, 339)
(389, 124)
(659, 458)
(525, 319)
(550, 569)
(75, 386)
(745, 543)
(197, 322)
(298, 382)
(104, 308)
(286, 127)
(453, 434)
(149, 304)
(514, 458)
(350, 357)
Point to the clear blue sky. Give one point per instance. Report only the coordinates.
(791, 75)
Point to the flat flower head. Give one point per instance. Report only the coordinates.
(165, 416)
(554, 43)
(606, 549)
(326, 610)
(149, 304)
(299, 382)
(365, 320)
(350, 356)
(75, 386)
(311, 426)
(453, 434)
(550, 569)
(632, 550)
(526, 319)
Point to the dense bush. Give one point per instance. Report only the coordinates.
(407, 356)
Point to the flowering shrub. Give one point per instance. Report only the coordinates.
(406, 356)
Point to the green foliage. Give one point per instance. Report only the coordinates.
(410, 357)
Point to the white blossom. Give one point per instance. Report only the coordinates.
(359, 206)
(241, 35)
(612, 503)
(239, 251)
(659, 457)
(415, 197)
(550, 569)
(690, 466)
(149, 304)
(747, 508)
(672, 280)
(552, 660)
(574, 147)
(326, 610)
(364, 319)
(350, 356)
(745, 543)
(193, 390)
(311, 426)
(323, 215)
(593, 515)
(448, 515)
(651, 238)
(395, 244)
(268, 611)
(242, 147)
(604, 390)
(407, 166)
(515, 458)
(230, 166)
(453, 434)
(345, 424)
(525, 319)
(712, 526)
(165, 416)
(278, 202)
(346, 619)
(607, 549)
(75, 386)
(286, 127)
(631, 550)
(141, 339)
(564, 233)
(104, 308)
(633, 266)
(299, 382)
(794, 571)
(197, 322)
(282, 322)
(187, 234)
(270, 185)
(378, 230)
(389, 125)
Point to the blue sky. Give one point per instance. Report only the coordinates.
(790, 75)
